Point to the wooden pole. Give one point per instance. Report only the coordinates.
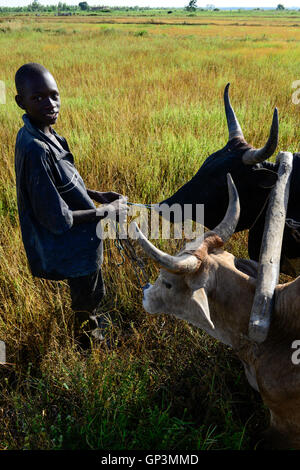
(270, 252)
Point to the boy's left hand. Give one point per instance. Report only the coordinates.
(104, 198)
(111, 196)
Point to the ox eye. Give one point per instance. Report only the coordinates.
(167, 285)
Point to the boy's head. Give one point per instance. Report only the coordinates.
(37, 94)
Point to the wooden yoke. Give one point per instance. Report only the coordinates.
(270, 251)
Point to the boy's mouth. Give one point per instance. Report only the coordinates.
(53, 115)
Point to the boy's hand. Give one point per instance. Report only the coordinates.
(111, 196)
(113, 210)
(104, 198)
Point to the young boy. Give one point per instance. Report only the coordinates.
(57, 214)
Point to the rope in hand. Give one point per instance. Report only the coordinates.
(126, 249)
(148, 206)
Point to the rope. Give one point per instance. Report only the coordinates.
(126, 249)
(148, 206)
(261, 211)
(292, 224)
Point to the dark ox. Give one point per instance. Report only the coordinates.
(254, 177)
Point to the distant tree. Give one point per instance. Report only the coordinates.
(210, 7)
(192, 6)
(83, 5)
(280, 7)
(62, 6)
(35, 6)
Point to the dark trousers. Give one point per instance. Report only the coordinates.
(86, 294)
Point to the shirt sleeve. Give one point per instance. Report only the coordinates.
(48, 207)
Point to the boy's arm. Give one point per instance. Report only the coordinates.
(94, 215)
(89, 215)
(115, 209)
(48, 206)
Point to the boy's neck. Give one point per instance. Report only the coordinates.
(46, 129)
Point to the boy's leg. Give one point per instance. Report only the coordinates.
(86, 294)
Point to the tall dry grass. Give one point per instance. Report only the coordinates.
(141, 109)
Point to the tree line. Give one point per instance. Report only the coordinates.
(35, 6)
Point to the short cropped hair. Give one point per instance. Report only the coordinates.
(27, 72)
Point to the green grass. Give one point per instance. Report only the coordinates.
(141, 109)
(107, 401)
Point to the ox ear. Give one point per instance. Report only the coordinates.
(201, 298)
(265, 178)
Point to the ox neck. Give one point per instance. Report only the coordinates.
(231, 304)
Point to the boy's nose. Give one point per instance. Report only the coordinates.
(50, 104)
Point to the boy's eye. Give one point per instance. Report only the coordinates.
(38, 98)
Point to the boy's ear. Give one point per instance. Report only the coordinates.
(19, 101)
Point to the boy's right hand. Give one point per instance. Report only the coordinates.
(116, 208)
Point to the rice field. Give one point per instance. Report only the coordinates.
(141, 109)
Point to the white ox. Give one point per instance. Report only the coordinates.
(213, 290)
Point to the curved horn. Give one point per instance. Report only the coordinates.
(179, 264)
(226, 228)
(234, 127)
(253, 156)
(187, 262)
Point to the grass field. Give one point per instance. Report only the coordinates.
(141, 109)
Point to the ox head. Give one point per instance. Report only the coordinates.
(201, 275)
(251, 173)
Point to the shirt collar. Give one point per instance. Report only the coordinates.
(42, 136)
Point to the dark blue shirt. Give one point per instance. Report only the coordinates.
(49, 188)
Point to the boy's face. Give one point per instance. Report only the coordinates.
(40, 99)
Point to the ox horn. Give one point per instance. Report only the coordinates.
(188, 262)
(227, 227)
(251, 156)
(234, 127)
(178, 264)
